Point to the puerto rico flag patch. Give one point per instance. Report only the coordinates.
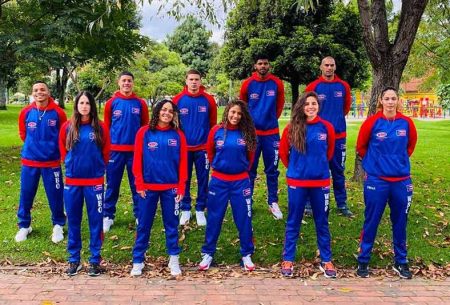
(270, 93)
(135, 110)
(322, 136)
(241, 142)
(201, 108)
(98, 187)
(400, 132)
(172, 142)
(338, 94)
(409, 188)
(247, 192)
(51, 122)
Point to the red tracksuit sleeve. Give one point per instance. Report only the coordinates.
(285, 146)
(251, 158)
(212, 111)
(62, 140)
(365, 131)
(348, 98)
(106, 142)
(62, 116)
(183, 167)
(280, 98)
(144, 113)
(22, 127)
(107, 113)
(137, 159)
(210, 145)
(312, 86)
(412, 137)
(331, 138)
(243, 91)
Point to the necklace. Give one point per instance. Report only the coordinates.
(40, 116)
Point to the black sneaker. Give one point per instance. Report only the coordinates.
(344, 211)
(94, 269)
(402, 270)
(308, 209)
(363, 270)
(73, 269)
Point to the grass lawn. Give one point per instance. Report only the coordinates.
(428, 229)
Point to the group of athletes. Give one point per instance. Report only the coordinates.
(160, 152)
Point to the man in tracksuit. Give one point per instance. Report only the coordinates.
(125, 113)
(198, 114)
(39, 125)
(264, 94)
(335, 98)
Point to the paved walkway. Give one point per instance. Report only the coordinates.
(47, 289)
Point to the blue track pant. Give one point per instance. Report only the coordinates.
(200, 159)
(114, 173)
(319, 197)
(53, 184)
(73, 200)
(337, 167)
(147, 211)
(239, 195)
(377, 193)
(268, 146)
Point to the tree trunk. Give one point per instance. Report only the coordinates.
(294, 90)
(3, 95)
(61, 84)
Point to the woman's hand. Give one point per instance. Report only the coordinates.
(178, 198)
(141, 193)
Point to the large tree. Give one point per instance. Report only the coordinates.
(295, 40)
(191, 41)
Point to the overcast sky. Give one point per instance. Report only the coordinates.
(159, 26)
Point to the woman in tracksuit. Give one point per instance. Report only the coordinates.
(307, 145)
(230, 148)
(84, 144)
(385, 142)
(160, 172)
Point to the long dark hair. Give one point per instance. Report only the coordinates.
(75, 122)
(175, 123)
(380, 106)
(297, 129)
(245, 124)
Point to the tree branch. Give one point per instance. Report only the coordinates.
(368, 38)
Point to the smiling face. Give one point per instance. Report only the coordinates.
(389, 101)
(234, 115)
(84, 107)
(311, 108)
(41, 94)
(165, 115)
(126, 84)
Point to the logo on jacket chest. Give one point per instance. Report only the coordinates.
(322, 97)
(241, 142)
(91, 136)
(254, 96)
(117, 113)
(32, 125)
(219, 144)
(51, 123)
(152, 146)
(184, 111)
(135, 110)
(381, 136)
(202, 109)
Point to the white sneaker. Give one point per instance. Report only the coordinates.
(22, 234)
(185, 217)
(107, 223)
(174, 265)
(137, 269)
(275, 210)
(201, 219)
(58, 234)
(206, 262)
(247, 263)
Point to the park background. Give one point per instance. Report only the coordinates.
(84, 45)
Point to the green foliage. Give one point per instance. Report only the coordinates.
(428, 229)
(429, 54)
(443, 93)
(191, 41)
(295, 39)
